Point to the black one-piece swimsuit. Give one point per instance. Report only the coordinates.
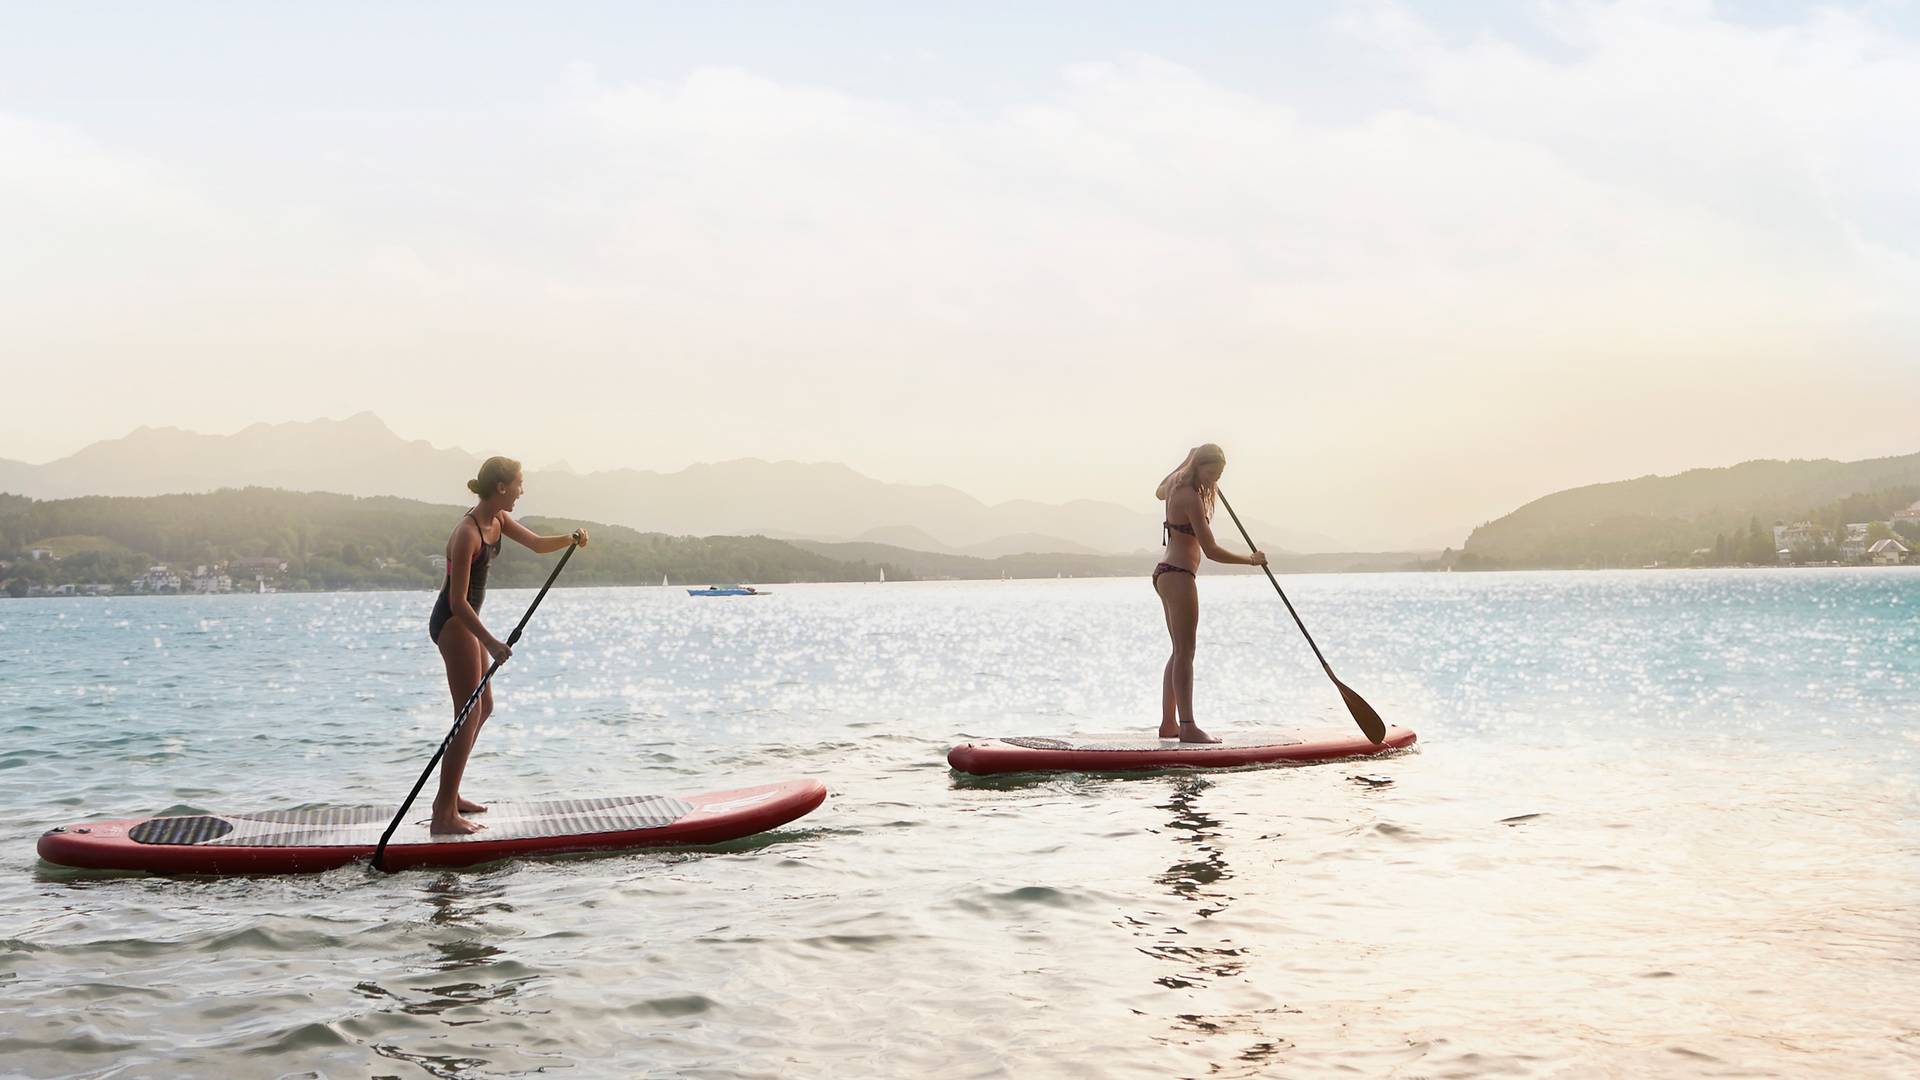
(476, 583)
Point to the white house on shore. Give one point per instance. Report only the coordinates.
(1887, 552)
(157, 579)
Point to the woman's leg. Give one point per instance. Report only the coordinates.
(466, 661)
(1180, 598)
(481, 711)
(1169, 719)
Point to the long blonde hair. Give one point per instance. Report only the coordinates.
(1205, 454)
(1187, 474)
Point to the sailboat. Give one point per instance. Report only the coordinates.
(663, 581)
(883, 574)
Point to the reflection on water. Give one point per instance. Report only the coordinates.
(1195, 829)
(1194, 941)
(1191, 880)
(460, 939)
(436, 1065)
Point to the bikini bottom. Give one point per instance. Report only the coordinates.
(1168, 568)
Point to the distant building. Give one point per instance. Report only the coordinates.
(1853, 540)
(439, 564)
(157, 579)
(1887, 553)
(41, 553)
(211, 580)
(1911, 515)
(1801, 537)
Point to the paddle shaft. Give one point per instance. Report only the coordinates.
(1364, 714)
(459, 721)
(1276, 585)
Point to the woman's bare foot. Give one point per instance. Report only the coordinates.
(1191, 733)
(468, 806)
(447, 822)
(1169, 730)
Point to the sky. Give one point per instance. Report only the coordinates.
(1411, 264)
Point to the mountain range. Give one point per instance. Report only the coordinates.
(819, 501)
(836, 512)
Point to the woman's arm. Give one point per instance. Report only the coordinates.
(1189, 500)
(539, 545)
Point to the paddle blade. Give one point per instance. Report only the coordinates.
(1370, 723)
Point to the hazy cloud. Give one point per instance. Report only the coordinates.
(1645, 237)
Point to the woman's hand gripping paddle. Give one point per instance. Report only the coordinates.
(380, 849)
(1370, 723)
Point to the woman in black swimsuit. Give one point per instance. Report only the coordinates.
(1188, 492)
(456, 628)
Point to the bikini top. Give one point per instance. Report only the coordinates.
(1167, 528)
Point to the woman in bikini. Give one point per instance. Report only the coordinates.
(455, 626)
(1188, 492)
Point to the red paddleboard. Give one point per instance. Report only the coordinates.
(306, 841)
(1120, 753)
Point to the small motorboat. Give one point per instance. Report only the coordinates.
(728, 590)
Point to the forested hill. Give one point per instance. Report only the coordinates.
(1730, 511)
(343, 542)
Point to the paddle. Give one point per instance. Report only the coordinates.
(380, 849)
(1363, 714)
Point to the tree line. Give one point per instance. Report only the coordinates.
(333, 542)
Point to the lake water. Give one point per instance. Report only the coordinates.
(1658, 823)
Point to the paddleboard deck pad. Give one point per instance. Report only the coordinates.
(307, 841)
(1121, 753)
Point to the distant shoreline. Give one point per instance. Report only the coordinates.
(1236, 572)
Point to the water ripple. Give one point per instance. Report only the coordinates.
(1676, 807)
